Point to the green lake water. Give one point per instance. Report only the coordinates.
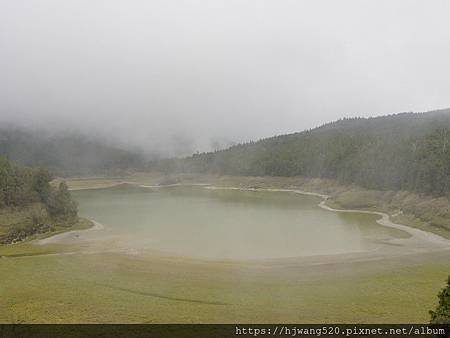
(226, 224)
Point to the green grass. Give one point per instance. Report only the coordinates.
(26, 248)
(417, 223)
(118, 288)
(12, 218)
(17, 216)
(104, 182)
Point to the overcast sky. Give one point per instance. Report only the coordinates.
(180, 76)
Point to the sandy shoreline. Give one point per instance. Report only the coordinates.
(58, 238)
(417, 235)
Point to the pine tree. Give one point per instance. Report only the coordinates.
(61, 206)
(442, 313)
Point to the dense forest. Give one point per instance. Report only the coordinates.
(21, 187)
(407, 151)
(66, 155)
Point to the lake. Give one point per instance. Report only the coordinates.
(226, 224)
(195, 255)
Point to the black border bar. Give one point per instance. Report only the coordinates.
(221, 330)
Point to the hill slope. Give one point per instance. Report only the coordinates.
(65, 155)
(29, 205)
(407, 151)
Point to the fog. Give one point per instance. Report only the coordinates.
(175, 77)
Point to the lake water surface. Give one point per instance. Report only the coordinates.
(227, 224)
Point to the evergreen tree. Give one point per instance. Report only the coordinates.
(442, 313)
(61, 206)
(397, 152)
(42, 179)
(20, 186)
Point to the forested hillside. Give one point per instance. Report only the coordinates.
(407, 151)
(29, 205)
(66, 155)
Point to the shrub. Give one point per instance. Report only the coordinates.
(61, 206)
(442, 313)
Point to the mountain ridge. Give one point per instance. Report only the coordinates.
(67, 154)
(405, 151)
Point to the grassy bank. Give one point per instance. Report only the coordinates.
(106, 288)
(27, 248)
(22, 220)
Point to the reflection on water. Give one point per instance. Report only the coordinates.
(221, 224)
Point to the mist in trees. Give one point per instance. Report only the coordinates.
(397, 152)
(67, 154)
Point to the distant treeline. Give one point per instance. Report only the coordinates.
(22, 186)
(66, 155)
(408, 151)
